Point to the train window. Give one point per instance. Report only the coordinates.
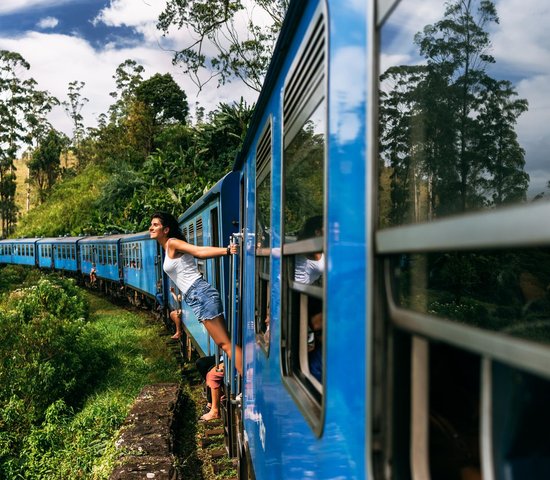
(304, 141)
(139, 256)
(263, 237)
(461, 334)
(503, 291)
(462, 114)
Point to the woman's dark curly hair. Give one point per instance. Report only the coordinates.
(169, 221)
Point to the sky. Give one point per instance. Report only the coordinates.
(86, 40)
(521, 48)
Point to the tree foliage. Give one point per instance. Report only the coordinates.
(44, 165)
(242, 45)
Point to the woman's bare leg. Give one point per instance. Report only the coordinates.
(215, 409)
(175, 315)
(218, 331)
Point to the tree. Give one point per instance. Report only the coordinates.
(128, 77)
(73, 108)
(12, 105)
(164, 98)
(215, 23)
(44, 165)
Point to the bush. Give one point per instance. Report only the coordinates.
(49, 356)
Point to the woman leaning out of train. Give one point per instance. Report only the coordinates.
(179, 265)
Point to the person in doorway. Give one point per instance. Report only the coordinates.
(93, 275)
(214, 380)
(179, 265)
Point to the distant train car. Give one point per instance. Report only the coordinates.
(104, 253)
(6, 251)
(211, 221)
(22, 250)
(142, 264)
(60, 253)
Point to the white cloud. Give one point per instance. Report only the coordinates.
(11, 6)
(47, 22)
(57, 59)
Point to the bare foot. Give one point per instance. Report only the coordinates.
(211, 415)
(176, 336)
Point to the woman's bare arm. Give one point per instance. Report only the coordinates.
(177, 245)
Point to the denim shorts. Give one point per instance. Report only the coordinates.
(204, 299)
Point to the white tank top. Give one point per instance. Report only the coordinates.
(182, 271)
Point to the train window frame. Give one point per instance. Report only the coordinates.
(304, 92)
(262, 255)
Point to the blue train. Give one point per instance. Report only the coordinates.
(392, 289)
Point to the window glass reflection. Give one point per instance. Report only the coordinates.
(464, 108)
(507, 291)
(304, 159)
(304, 172)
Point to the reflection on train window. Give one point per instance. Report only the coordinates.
(263, 238)
(506, 291)
(304, 140)
(463, 114)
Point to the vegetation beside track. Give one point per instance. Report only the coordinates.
(71, 365)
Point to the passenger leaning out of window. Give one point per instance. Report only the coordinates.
(179, 265)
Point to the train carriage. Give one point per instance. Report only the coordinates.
(60, 253)
(6, 251)
(142, 264)
(22, 251)
(392, 291)
(104, 252)
(302, 295)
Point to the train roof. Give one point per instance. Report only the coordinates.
(292, 18)
(207, 197)
(132, 237)
(103, 238)
(59, 240)
(20, 240)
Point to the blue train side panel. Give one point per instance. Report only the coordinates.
(281, 440)
(104, 251)
(22, 250)
(140, 263)
(60, 253)
(6, 251)
(211, 221)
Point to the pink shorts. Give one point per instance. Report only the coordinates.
(214, 378)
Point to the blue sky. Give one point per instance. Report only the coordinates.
(86, 40)
(68, 18)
